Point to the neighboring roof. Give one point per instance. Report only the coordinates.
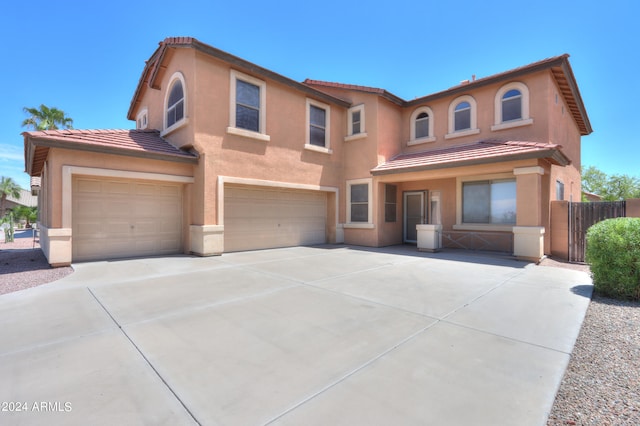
(482, 152)
(26, 199)
(135, 143)
(156, 66)
(381, 92)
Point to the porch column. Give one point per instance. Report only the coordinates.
(528, 234)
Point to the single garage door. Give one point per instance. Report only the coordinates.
(261, 217)
(115, 218)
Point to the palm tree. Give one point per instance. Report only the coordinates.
(30, 214)
(8, 188)
(45, 118)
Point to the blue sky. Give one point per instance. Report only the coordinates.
(86, 57)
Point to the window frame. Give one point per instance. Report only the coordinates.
(473, 117)
(389, 203)
(412, 130)
(142, 119)
(490, 183)
(363, 130)
(177, 76)
(525, 120)
(559, 190)
(466, 226)
(369, 223)
(326, 149)
(261, 134)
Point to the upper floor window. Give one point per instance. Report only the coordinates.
(421, 126)
(511, 106)
(142, 119)
(318, 126)
(462, 117)
(247, 106)
(356, 123)
(175, 105)
(175, 101)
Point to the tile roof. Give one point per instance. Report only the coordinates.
(374, 90)
(470, 154)
(136, 143)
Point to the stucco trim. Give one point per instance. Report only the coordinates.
(222, 180)
(69, 171)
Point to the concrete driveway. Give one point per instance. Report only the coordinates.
(307, 335)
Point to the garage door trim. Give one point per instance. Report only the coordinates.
(222, 180)
(67, 183)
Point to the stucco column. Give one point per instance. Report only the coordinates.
(207, 240)
(528, 234)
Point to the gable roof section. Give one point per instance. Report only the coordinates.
(374, 90)
(482, 152)
(561, 71)
(134, 143)
(558, 65)
(156, 66)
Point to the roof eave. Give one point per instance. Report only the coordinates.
(53, 143)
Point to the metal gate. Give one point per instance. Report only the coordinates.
(582, 216)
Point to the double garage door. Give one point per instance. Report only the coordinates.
(115, 218)
(264, 217)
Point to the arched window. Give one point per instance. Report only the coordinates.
(511, 106)
(421, 126)
(175, 102)
(175, 106)
(462, 117)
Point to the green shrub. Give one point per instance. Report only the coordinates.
(613, 252)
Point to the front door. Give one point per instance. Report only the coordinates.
(414, 214)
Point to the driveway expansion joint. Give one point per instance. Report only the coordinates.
(146, 359)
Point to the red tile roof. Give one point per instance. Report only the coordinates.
(136, 143)
(148, 141)
(476, 153)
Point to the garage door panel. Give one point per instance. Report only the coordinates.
(115, 218)
(257, 218)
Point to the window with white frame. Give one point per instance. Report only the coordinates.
(421, 126)
(247, 106)
(356, 123)
(142, 119)
(511, 106)
(175, 102)
(359, 197)
(559, 190)
(489, 202)
(318, 126)
(462, 117)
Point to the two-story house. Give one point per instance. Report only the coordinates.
(230, 156)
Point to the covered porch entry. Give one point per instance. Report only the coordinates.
(483, 196)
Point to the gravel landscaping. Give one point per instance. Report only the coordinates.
(601, 385)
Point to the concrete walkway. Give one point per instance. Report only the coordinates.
(330, 335)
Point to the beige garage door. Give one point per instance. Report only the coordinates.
(115, 218)
(258, 218)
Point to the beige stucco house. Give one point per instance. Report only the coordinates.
(230, 156)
